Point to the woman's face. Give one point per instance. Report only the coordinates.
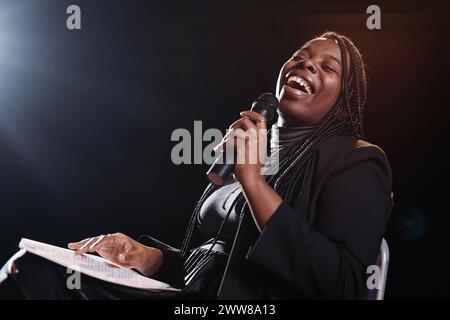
(309, 83)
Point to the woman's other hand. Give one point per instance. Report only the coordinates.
(123, 251)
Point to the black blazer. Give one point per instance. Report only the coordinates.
(320, 247)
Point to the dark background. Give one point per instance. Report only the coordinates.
(86, 116)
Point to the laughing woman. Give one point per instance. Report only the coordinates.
(308, 231)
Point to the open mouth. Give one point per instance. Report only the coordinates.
(299, 83)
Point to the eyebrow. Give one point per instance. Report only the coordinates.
(335, 59)
(308, 49)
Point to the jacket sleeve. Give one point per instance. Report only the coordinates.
(328, 258)
(172, 270)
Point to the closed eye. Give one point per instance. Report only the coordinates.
(328, 68)
(298, 58)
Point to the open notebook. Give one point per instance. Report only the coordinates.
(93, 266)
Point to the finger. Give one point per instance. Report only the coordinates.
(110, 240)
(245, 123)
(237, 130)
(246, 135)
(84, 248)
(76, 245)
(258, 119)
(255, 116)
(101, 241)
(261, 124)
(230, 128)
(113, 243)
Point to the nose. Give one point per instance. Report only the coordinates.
(309, 65)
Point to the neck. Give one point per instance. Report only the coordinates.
(286, 136)
(283, 123)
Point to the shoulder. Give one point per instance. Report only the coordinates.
(348, 150)
(343, 154)
(366, 152)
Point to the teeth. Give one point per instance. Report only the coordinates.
(301, 82)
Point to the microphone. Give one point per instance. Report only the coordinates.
(266, 105)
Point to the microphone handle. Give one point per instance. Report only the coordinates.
(219, 170)
(266, 105)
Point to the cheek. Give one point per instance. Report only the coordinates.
(333, 89)
(284, 70)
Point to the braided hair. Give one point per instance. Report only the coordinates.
(293, 162)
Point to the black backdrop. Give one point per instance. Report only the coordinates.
(86, 116)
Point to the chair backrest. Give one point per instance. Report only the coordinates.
(383, 263)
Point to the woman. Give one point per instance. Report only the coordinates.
(308, 230)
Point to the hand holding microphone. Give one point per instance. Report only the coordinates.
(247, 145)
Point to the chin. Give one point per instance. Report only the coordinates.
(291, 106)
(292, 115)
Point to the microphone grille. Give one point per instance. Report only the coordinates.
(266, 105)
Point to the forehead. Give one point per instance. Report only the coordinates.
(322, 45)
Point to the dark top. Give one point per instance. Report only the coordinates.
(214, 210)
(321, 246)
(216, 206)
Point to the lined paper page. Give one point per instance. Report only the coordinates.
(93, 266)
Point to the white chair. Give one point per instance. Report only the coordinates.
(383, 263)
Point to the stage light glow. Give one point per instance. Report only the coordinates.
(17, 67)
(413, 225)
